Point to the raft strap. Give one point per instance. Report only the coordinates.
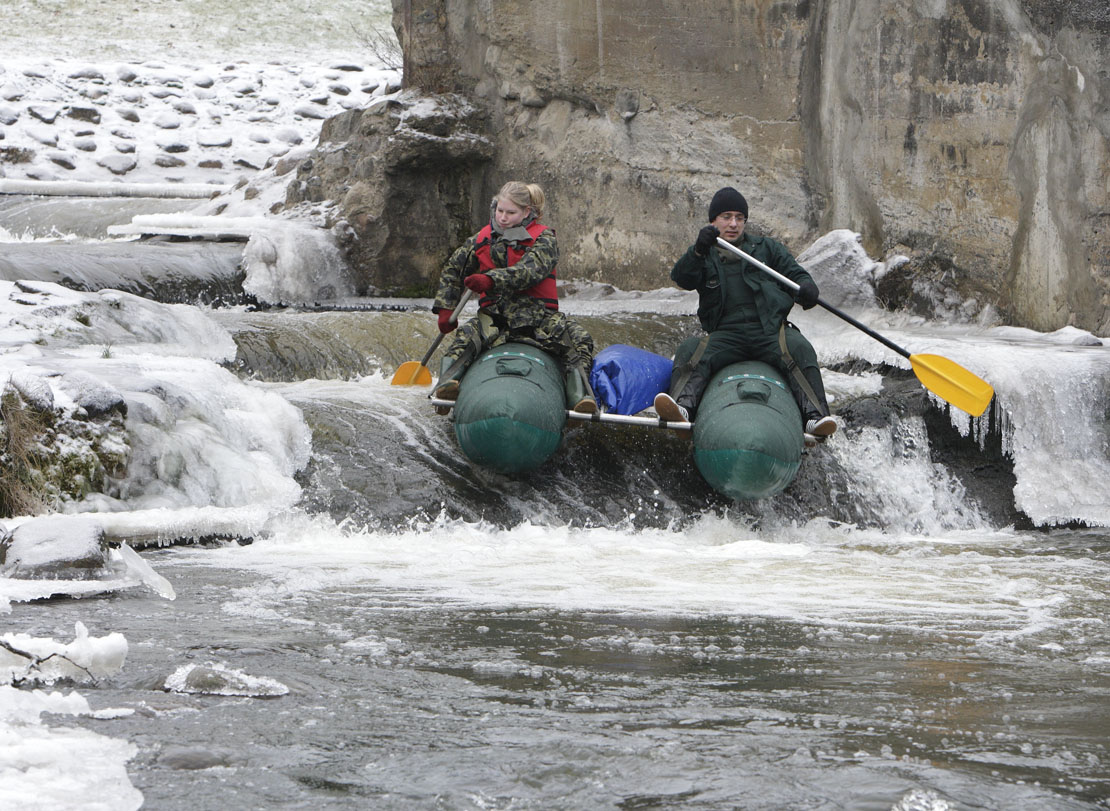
(689, 366)
(789, 364)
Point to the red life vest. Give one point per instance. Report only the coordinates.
(544, 290)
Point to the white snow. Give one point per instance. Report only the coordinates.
(139, 131)
(190, 93)
(47, 767)
(24, 658)
(160, 99)
(110, 120)
(198, 434)
(54, 538)
(846, 272)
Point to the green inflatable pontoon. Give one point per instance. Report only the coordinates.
(511, 408)
(748, 432)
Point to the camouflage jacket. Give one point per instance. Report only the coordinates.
(513, 309)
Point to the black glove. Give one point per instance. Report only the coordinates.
(807, 295)
(707, 238)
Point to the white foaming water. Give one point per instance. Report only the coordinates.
(840, 578)
(1051, 390)
(905, 490)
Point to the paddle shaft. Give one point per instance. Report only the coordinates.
(792, 285)
(454, 320)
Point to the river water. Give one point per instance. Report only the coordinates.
(918, 622)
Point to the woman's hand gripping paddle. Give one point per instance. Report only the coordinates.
(943, 377)
(411, 373)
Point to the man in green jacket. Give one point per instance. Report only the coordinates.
(744, 311)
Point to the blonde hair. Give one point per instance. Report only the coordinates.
(525, 195)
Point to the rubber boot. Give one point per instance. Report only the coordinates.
(451, 371)
(580, 396)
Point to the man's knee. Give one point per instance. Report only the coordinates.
(801, 350)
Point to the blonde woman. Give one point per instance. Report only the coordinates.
(511, 265)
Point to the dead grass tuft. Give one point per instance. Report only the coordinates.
(20, 428)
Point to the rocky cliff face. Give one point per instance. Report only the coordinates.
(969, 135)
(404, 177)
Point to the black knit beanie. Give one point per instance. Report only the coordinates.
(727, 199)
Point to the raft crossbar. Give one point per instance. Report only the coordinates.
(601, 416)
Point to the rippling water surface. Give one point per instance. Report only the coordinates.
(457, 665)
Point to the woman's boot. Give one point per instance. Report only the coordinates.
(451, 371)
(580, 396)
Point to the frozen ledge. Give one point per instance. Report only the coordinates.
(77, 188)
(196, 226)
(217, 234)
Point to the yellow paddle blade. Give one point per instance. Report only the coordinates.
(412, 373)
(953, 383)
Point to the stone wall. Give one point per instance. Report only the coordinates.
(970, 135)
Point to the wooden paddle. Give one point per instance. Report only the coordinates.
(943, 377)
(411, 373)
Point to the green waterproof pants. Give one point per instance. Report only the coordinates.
(749, 342)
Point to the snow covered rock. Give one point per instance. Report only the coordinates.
(94, 396)
(365, 160)
(34, 390)
(219, 680)
(69, 547)
(211, 106)
(117, 164)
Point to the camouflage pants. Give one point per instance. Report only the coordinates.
(561, 336)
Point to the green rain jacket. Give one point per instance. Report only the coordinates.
(706, 275)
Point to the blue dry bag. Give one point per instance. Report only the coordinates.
(626, 379)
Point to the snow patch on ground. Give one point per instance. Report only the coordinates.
(49, 766)
(161, 122)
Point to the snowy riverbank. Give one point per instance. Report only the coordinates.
(159, 122)
(167, 98)
(180, 91)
